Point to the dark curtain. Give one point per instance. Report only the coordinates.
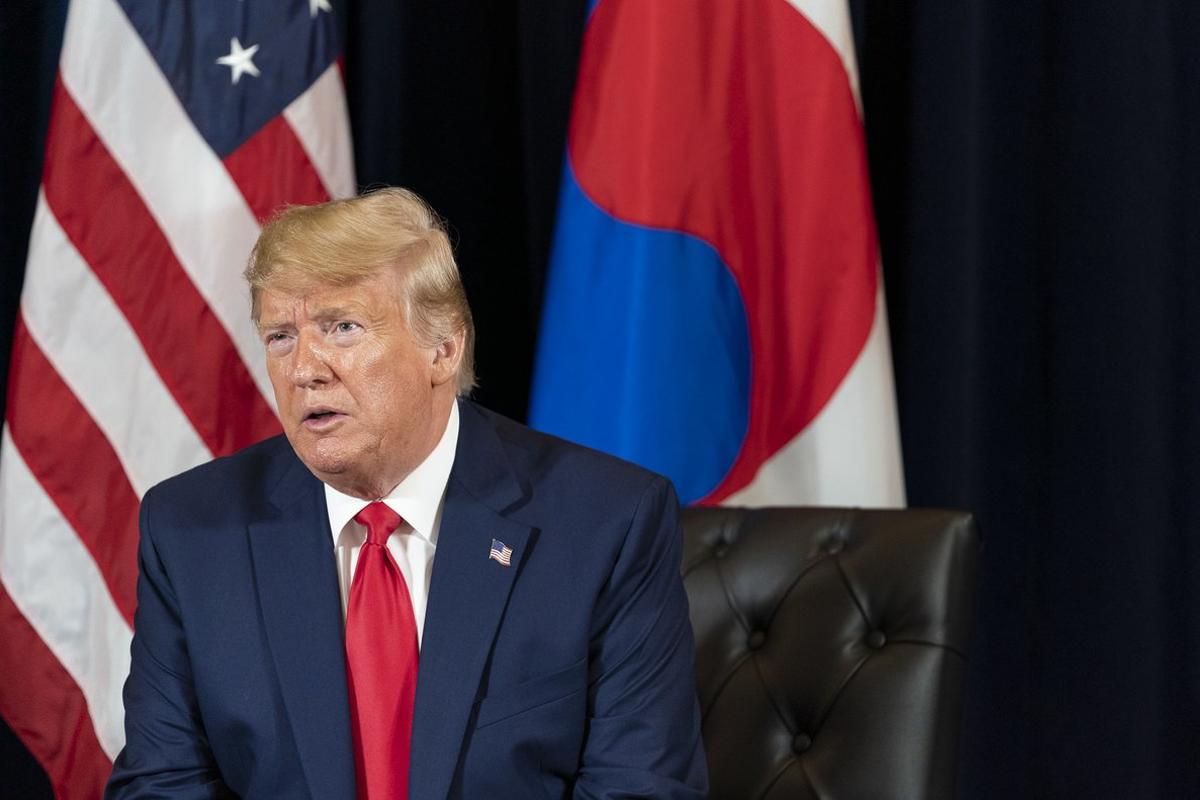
(1037, 183)
(1037, 169)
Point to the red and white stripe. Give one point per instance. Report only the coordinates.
(849, 455)
(133, 359)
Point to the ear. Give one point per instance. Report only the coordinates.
(446, 358)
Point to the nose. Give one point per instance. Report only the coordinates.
(309, 367)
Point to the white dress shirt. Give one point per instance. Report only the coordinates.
(418, 500)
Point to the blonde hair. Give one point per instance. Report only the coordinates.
(344, 241)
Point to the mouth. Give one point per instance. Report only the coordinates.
(322, 418)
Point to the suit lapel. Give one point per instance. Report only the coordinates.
(467, 598)
(296, 579)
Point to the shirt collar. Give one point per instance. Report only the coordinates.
(417, 498)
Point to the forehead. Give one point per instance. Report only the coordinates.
(376, 295)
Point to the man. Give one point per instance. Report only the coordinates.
(409, 596)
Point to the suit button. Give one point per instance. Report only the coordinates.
(876, 639)
(801, 743)
(757, 640)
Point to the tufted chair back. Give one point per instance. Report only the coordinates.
(830, 649)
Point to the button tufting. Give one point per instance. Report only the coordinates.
(757, 640)
(802, 742)
(721, 550)
(876, 639)
(834, 547)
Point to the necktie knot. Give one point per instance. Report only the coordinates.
(380, 520)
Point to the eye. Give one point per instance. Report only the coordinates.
(277, 342)
(346, 327)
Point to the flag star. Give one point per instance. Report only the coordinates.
(240, 59)
(318, 5)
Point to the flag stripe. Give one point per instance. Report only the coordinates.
(55, 584)
(271, 169)
(84, 335)
(85, 479)
(119, 88)
(129, 255)
(322, 123)
(49, 713)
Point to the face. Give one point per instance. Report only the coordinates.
(361, 401)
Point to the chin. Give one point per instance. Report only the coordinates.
(340, 476)
(325, 461)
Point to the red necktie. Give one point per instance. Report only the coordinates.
(381, 662)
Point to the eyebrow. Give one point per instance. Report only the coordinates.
(268, 325)
(337, 311)
(320, 315)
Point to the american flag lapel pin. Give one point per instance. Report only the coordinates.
(500, 552)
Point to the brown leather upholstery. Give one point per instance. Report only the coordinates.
(830, 649)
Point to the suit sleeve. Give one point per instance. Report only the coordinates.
(643, 735)
(166, 753)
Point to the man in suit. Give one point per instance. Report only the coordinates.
(408, 596)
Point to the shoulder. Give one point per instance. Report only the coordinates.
(555, 465)
(569, 492)
(232, 486)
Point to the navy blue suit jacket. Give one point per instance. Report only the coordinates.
(567, 674)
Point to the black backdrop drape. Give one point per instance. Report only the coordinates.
(1037, 183)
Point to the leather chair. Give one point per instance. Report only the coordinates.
(831, 647)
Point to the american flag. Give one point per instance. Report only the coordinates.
(175, 130)
(500, 552)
